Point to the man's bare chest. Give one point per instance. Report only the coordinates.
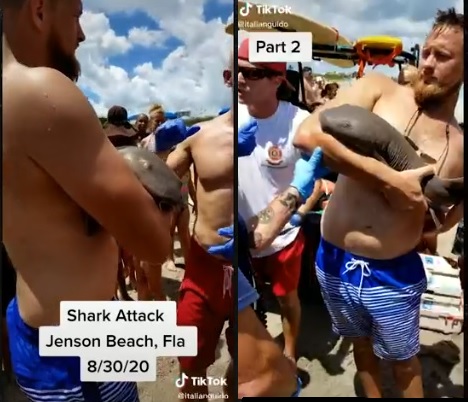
(437, 142)
(215, 163)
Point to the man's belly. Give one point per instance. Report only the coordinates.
(361, 221)
(88, 274)
(206, 231)
(214, 211)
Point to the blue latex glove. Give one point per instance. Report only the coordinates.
(306, 172)
(191, 131)
(169, 134)
(173, 132)
(225, 250)
(246, 138)
(224, 110)
(296, 220)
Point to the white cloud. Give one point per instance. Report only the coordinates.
(146, 37)
(190, 77)
(408, 19)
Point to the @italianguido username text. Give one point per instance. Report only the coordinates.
(197, 396)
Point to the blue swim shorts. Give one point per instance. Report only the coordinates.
(378, 299)
(55, 379)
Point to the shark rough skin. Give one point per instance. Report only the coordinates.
(157, 178)
(369, 135)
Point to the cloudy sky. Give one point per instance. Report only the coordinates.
(173, 51)
(142, 52)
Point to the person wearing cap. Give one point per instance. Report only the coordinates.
(118, 129)
(267, 172)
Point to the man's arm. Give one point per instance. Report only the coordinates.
(180, 159)
(264, 228)
(453, 217)
(365, 93)
(64, 137)
(262, 368)
(312, 200)
(192, 191)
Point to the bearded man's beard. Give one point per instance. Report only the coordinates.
(429, 95)
(59, 60)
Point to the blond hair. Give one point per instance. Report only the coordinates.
(408, 75)
(156, 108)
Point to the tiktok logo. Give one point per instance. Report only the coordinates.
(180, 382)
(244, 11)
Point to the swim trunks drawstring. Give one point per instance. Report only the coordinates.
(365, 270)
(227, 280)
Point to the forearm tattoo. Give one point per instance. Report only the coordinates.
(266, 216)
(289, 201)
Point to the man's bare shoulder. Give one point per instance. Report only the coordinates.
(376, 83)
(215, 127)
(49, 98)
(377, 78)
(44, 83)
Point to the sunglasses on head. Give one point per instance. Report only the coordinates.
(255, 74)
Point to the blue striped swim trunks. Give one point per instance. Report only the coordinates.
(55, 379)
(377, 299)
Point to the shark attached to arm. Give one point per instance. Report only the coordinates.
(156, 177)
(369, 135)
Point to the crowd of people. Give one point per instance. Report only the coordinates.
(317, 90)
(58, 164)
(152, 131)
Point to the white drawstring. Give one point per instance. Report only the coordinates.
(227, 280)
(365, 270)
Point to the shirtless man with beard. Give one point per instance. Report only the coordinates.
(206, 294)
(371, 277)
(57, 163)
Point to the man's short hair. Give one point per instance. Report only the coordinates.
(449, 18)
(13, 3)
(17, 5)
